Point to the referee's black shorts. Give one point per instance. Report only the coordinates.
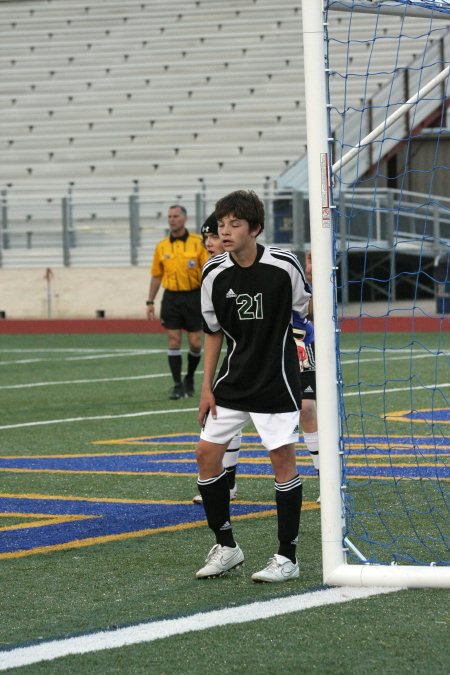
(182, 309)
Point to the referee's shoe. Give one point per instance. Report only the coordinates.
(177, 392)
(188, 386)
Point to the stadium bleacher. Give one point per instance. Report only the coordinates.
(178, 95)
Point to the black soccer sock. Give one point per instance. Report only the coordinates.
(174, 356)
(216, 502)
(231, 476)
(193, 361)
(289, 505)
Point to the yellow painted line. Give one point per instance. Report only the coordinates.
(109, 454)
(49, 520)
(242, 460)
(95, 473)
(143, 442)
(112, 500)
(396, 478)
(148, 453)
(350, 462)
(172, 474)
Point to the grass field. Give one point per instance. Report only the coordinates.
(98, 530)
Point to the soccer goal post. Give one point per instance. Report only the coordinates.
(376, 78)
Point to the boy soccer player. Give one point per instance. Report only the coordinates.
(248, 295)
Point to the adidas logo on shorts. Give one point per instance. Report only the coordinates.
(309, 390)
(231, 294)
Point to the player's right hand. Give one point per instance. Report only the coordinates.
(207, 406)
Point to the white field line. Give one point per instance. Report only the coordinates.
(143, 377)
(86, 381)
(386, 357)
(158, 630)
(89, 357)
(71, 350)
(145, 413)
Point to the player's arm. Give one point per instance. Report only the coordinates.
(211, 354)
(308, 274)
(155, 283)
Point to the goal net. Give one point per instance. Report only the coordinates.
(384, 177)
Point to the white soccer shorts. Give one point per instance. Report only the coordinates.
(275, 429)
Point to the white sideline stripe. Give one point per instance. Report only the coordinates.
(178, 410)
(349, 362)
(89, 357)
(426, 387)
(158, 630)
(81, 350)
(96, 417)
(87, 381)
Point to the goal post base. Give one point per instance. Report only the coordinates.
(402, 576)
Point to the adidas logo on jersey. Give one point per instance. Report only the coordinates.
(231, 294)
(296, 430)
(309, 390)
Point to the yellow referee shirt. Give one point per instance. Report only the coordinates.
(179, 261)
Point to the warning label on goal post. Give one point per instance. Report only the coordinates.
(325, 190)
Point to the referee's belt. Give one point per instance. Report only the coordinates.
(192, 290)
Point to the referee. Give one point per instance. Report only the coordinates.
(177, 265)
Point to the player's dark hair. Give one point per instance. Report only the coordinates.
(244, 205)
(179, 206)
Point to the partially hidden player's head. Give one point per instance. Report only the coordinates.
(243, 205)
(210, 236)
(177, 218)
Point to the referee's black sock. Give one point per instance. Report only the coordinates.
(193, 361)
(216, 502)
(174, 356)
(289, 504)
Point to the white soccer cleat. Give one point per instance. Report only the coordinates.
(278, 569)
(233, 495)
(318, 500)
(220, 560)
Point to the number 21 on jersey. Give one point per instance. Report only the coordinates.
(249, 307)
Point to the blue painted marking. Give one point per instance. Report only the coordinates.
(397, 444)
(106, 519)
(179, 463)
(427, 416)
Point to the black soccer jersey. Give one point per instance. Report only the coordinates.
(253, 307)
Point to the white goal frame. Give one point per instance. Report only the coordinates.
(336, 570)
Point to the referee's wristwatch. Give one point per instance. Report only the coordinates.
(150, 302)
